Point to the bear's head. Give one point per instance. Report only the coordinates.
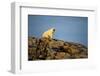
(53, 30)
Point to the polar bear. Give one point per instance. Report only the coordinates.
(49, 33)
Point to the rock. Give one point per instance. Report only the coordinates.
(30, 42)
(74, 51)
(67, 55)
(60, 55)
(50, 54)
(32, 53)
(48, 49)
(56, 44)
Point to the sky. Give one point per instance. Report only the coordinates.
(68, 28)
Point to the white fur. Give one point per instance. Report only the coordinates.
(48, 34)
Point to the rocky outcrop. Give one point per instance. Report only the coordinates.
(46, 49)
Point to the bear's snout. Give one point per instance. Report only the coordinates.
(54, 30)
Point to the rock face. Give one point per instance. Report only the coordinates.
(46, 49)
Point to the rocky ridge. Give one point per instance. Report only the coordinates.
(50, 49)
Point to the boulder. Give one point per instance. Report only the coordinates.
(60, 55)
